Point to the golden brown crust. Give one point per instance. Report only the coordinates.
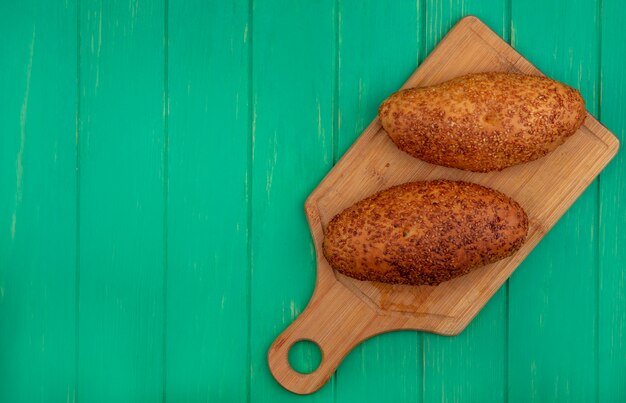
(483, 122)
(424, 232)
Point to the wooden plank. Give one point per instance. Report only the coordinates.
(472, 365)
(122, 158)
(553, 295)
(38, 201)
(371, 63)
(612, 286)
(292, 137)
(207, 277)
(379, 47)
(441, 16)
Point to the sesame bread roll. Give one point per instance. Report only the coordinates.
(424, 232)
(483, 122)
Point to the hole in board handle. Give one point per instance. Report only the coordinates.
(305, 356)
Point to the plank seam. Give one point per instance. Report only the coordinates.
(77, 206)
(336, 65)
(508, 21)
(598, 205)
(421, 4)
(249, 162)
(335, 127)
(165, 168)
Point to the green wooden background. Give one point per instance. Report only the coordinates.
(154, 160)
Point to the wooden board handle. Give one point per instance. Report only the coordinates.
(334, 320)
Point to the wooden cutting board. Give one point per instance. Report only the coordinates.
(343, 312)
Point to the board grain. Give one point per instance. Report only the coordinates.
(343, 311)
